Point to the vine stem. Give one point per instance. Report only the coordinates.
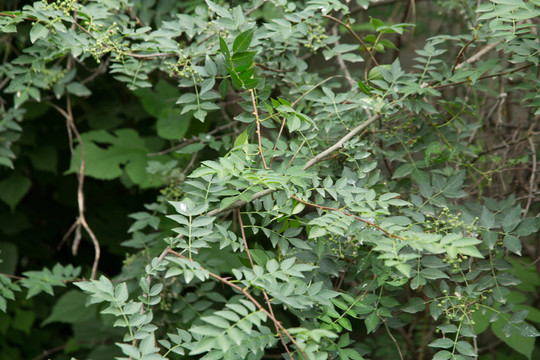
(251, 298)
(81, 220)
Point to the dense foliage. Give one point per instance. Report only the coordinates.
(315, 179)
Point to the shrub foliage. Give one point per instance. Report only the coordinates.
(314, 179)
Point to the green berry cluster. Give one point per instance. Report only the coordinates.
(447, 222)
(103, 41)
(66, 6)
(316, 36)
(182, 68)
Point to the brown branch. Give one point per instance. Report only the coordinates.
(251, 298)
(461, 54)
(262, 66)
(191, 163)
(258, 122)
(13, 276)
(340, 143)
(270, 309)
(348, 27)
(531, 179)
(342, 64)
(314, 87)
(477, 56)
(369, 223)
(481, 77)
(132, 13)
(310, 163)
(189, 141)
(8, 15)
(149, 56)
(48, 352)
(391, 336)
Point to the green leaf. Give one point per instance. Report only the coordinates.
(210, 66)
(317, 231)
(527, 330)
(519, 343)
(405, 269)
(224, 88)
(528, 226)
(487, 219)
(126, 151)
(172, 125)
(71, 308)
(37, 32)
(14, 188)
(242, 41)
(443, 355)
(372, 320)
(23, 320)
(224, 49)
(443, 343)
(346, 323)
(433, 274)
(512, 243)
(414, 306)
(512, 219)
(464, 348)
(220, 10)
(403, 170)
(78, 89)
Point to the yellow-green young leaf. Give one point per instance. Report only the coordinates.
(242, 139)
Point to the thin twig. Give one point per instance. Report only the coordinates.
(258, 122)
(341, 63)
(190, 141)
(191, 163)
(314, 87)
(262, 66)
(391, 336)
(340, 143)
(531, 179)
(369, 223)
(239, 215)
(482, 77)
(478, 55)
(348, 27)
(461, 53)
(251, 298)
(132, 13)
(310, 163)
